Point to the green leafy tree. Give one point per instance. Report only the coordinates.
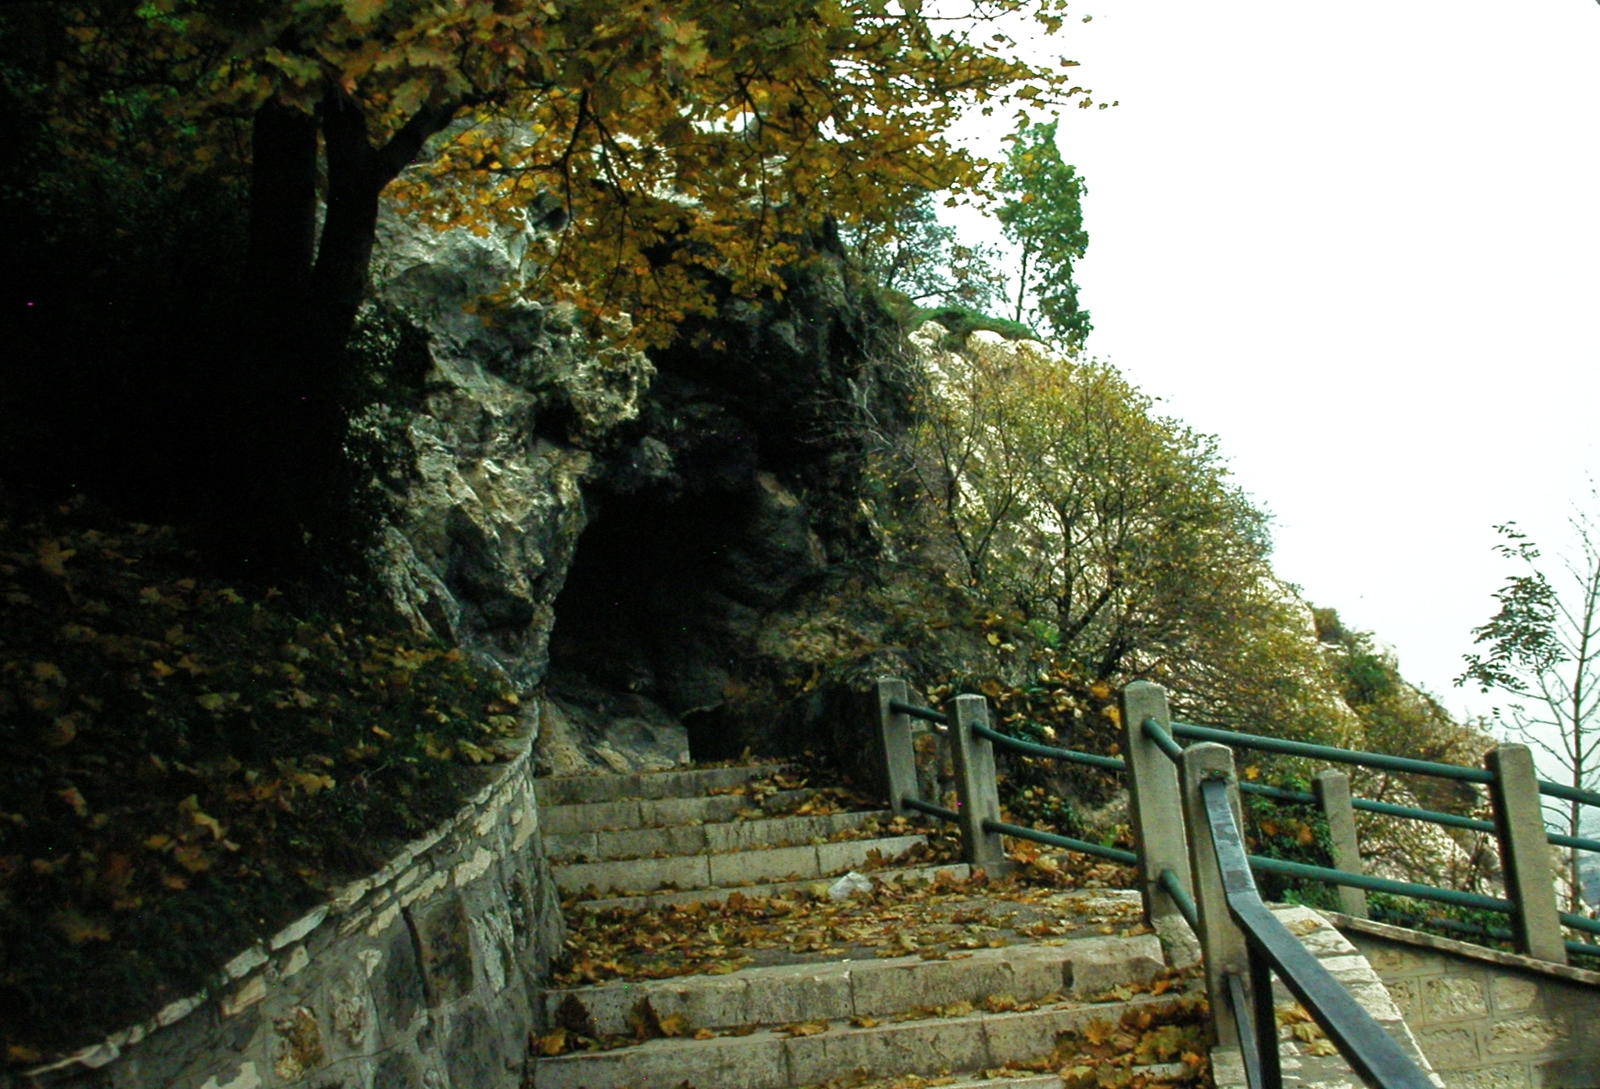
(916, 255)
(1042, 213)
(1542, 650)
(1052, 489)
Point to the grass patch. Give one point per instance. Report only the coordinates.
(186, 764)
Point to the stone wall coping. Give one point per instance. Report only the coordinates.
(342, 904)
(1463, 949)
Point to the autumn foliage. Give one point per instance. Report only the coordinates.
(185, 763)
(666, 139)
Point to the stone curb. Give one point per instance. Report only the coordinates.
(872, 988)
(957, 871)
(628, 813)
(773, 1060)
(688, 839)
(567, 790)
(370, 903)
(703, 871)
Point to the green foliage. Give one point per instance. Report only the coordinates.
(1542, 649)
(913, 254)
(1480, 927)
(1524, 645)
(1051, 489)
(1293, 832)
(1043, 214)
(185, 764)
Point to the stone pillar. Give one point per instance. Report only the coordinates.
(1524, 852)
(1221, 941)
(1154, 800)
(975, 785)
(1332, 788)
(900, 760)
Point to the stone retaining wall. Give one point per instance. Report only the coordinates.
(423, 976)
(1486, 1019)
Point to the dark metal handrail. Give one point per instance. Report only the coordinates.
(1328, 752)
(1115, 854)
(1033, 748)
(926, 714)
(1370, 1051)
(1373, 760)
(932, 810)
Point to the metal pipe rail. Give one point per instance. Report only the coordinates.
(1383, 884)
(1362, 1041)
(1083, 846)
(932, 810)
(1389, 809)
(926, 714)
(1328, 752)
(1033, 748)
(1180, 897)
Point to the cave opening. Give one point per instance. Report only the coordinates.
(644, 615)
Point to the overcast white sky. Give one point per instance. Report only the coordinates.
(1360, 242)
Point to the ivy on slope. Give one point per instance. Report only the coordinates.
(186, 764)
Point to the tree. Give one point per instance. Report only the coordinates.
(1542, 649)
(1043, 215)
(913, 253)
(684, 148)
(1049, 487)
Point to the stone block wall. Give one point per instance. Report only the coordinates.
(1487, 1019)
(422, 976)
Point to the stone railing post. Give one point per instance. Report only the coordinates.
(1332, 788)
(1221, 941)
(1154, 799)
(1524, 852)
(900, 760)
(975, 786)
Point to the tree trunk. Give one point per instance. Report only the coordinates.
(283, 214)
(285, 414)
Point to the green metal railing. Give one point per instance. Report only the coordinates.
(1381, 761)
(1265, 943)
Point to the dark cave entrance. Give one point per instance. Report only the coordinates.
(641, 613)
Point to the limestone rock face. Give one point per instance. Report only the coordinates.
(491, 508)
(615, 526)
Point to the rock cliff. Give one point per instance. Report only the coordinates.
(614, 526)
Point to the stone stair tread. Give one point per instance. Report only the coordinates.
(878, 988)
(625, 813)
(670, 783)
(711, 869)
(775, 1059)
(715, 837)
(958, 871)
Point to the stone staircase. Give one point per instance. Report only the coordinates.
(679, 854)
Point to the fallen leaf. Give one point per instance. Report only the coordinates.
(62, 730)
(805, 1028)
(52, 556)
(78, 928)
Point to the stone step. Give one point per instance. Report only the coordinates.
(658, 812)
(749, 866)
(677, 783)
(956, 871)
(774, 1059)
(839, 990)
(692, 839)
